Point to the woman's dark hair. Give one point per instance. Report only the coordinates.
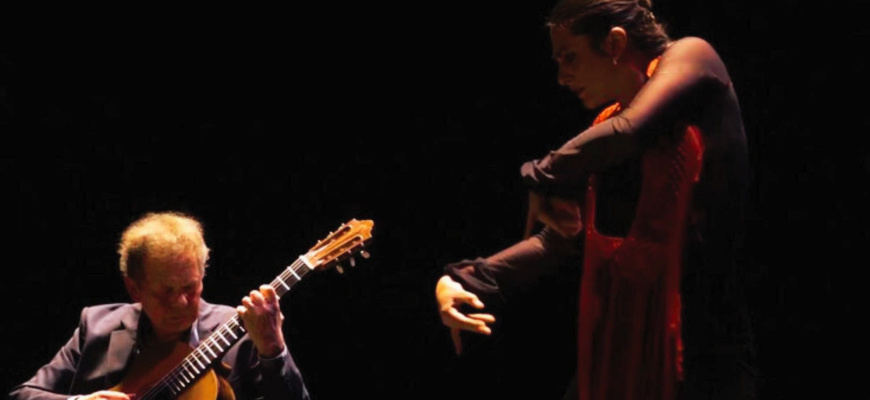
(596, 17)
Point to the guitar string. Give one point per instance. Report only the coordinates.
(279, 284)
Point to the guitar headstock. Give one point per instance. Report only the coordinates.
(346, 241)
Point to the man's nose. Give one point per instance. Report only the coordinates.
(180, 300)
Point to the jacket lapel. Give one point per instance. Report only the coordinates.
(206, 323)
(122, 342)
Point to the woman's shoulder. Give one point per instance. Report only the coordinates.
(694, 55)
(691, 45)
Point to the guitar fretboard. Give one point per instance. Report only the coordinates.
(216, 345)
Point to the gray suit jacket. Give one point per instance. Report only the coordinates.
(97, 355)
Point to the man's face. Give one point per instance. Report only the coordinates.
(169, 292)
(584, 71)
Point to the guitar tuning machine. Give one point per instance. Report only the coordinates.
(339, 269)
(352, 262)
(365, 254)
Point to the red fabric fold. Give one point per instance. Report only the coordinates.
(629, 339)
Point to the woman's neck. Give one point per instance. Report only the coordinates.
(632, 76)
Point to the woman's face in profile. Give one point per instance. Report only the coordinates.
(587, 73)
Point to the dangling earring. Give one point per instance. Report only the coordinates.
(614, 61)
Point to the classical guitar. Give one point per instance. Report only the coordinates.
(181, 372)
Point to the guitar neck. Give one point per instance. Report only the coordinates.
(219, 342)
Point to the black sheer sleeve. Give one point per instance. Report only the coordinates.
(689, 70)
(500, 275)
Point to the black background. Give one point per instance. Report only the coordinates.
(276, 125)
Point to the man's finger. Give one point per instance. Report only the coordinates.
(269, 293)
(257, 297)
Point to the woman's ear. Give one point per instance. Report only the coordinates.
(616, 42)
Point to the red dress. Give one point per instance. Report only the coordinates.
(629, 341)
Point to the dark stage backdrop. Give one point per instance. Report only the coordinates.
(274, 126)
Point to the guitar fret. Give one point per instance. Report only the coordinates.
(298, 278)
(283, 283)
(221, 335)
(215, 343)
(195, 356)
(177, 379)
(185, 369)
(201, 365)
(206, 347)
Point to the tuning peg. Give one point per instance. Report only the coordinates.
(364, 254)
(339, 269)
(352, 262)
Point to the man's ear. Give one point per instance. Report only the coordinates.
(132, 289)
(616, 42)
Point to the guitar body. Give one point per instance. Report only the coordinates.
(158, 361)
